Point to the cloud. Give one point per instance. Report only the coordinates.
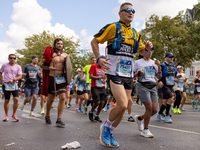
(1, 24)
(30, 18)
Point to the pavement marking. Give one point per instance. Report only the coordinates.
(71, 111)
(28, 111)
(171, 129)
(27, 116)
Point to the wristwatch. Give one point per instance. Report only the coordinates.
(13, 80)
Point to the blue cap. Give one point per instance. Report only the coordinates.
(170, 55)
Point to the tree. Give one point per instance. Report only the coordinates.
(194, 32)
(36, 44)
(169, 35)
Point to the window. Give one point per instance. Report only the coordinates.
(192, 71)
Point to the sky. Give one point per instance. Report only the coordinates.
(78, 18)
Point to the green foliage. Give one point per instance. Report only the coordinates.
(36, 44)
(170, 35)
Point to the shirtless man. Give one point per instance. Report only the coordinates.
(55, 59)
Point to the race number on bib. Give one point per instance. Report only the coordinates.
(149, 72)
(170, 80)
(80, 88)
(34, 73)
(198, 88)
(60, 79)
(11, 86)
(180, 84)
(89, 86)
(99, 83)
(124, 68)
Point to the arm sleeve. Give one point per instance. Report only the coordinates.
(24, 69)
(91, 69)
(19, 70)
(142, 46)
(107, 33)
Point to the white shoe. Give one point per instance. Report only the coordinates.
(147, 133)
(183, 109)
(22, 107)
(140, 126)
(104, 110)
(32, 114)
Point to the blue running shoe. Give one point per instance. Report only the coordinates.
(113, 143)
(80, 110)
(104, 135)
(168, 119)
(159, 117)
(108, 107)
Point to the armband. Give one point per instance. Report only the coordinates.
(98, 59)
(160, 72)
(45, 67)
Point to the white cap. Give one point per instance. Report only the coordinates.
(79, 69)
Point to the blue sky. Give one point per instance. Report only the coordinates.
(78, 18)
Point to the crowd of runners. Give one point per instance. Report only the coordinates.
(108, 80)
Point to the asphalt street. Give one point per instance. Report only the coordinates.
(31, 133)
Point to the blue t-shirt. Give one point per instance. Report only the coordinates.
(81, 84)
(71, 85)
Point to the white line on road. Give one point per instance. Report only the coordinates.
(177, 130)
(27, 116)
(28, 111)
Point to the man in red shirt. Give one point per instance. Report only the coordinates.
(99, 95)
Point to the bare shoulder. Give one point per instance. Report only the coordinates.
(64, 55)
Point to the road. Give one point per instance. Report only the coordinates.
(31, 133)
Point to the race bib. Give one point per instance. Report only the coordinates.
(80, 88)
(124, 68)
(60, 79)
(89, 86)
(99, 83)
(180, 84)
(0, 88)
(170, 80)
(34, 73)
(11, 86)
(198, 88)
(149, 72)
(71, 86)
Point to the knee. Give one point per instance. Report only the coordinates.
(123, 107)
(154, 111)
(149, 108)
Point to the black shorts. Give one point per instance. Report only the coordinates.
(60, 88)
(160, 93)
(167, 91)
(196, 92)
(98, 94)
(127, 82)
(133, 90)
(82, 92)
(71, 92)
(8, 93)
(40, 91)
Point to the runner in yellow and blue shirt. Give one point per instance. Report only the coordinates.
(123, 41)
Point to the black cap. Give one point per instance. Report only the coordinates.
(35, 56)
(170, 55)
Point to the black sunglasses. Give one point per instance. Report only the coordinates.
(12, 58)
(128, 10)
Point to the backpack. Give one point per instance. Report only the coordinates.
(119, 38)
(165, 70)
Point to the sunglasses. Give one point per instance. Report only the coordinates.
(128, 10)
(12, 58)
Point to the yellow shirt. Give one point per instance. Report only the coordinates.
(107, 33)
